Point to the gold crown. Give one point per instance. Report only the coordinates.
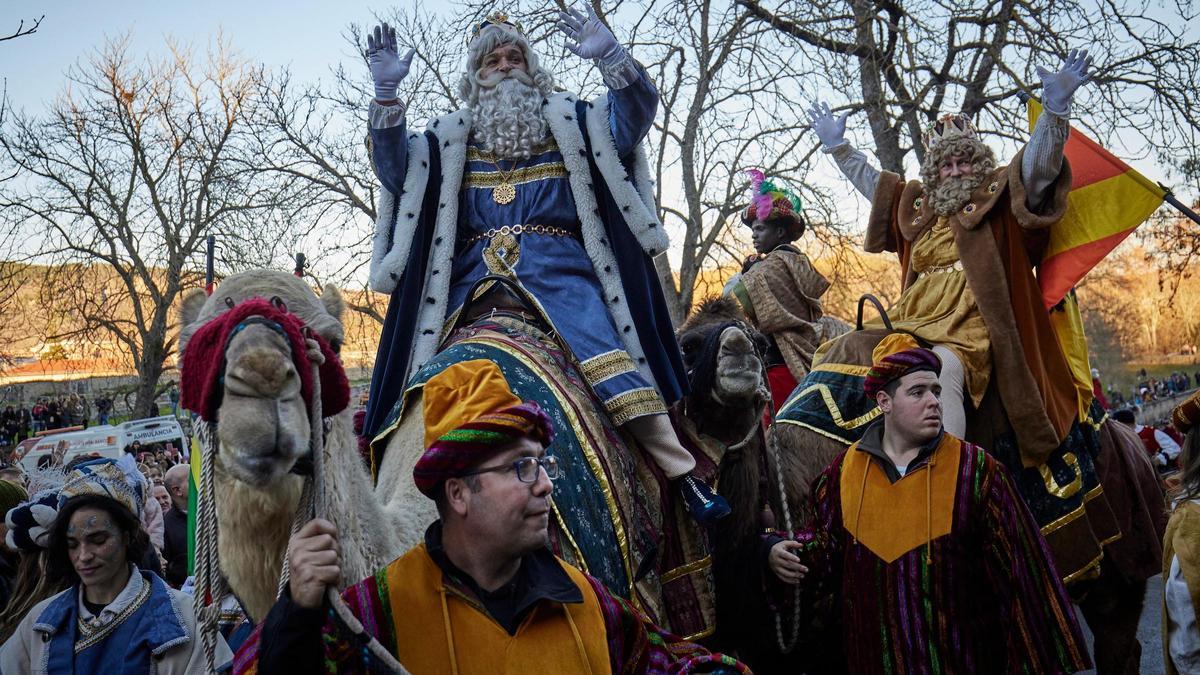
(494, 19)
(950, 125)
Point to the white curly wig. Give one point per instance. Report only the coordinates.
(948, 195)
(508, 117)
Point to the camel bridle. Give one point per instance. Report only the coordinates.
(709, 358)
(211, 586)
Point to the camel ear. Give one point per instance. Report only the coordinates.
(331, 297)
(189, 309)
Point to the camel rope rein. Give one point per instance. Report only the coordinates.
(211, 586)
(785, 645)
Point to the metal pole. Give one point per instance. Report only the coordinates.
(211, 246)
(1180, 206)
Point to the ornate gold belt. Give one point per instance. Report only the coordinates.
(955, 266)
(521, 229)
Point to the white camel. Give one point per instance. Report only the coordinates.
(263, 429)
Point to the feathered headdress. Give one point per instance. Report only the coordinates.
(769, 199)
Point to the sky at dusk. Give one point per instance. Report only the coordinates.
(306, 35)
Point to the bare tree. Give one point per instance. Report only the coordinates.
(120, 182)
(22, 30)
(734, 76)
(312, 136)
(903, 62)
(727, 93)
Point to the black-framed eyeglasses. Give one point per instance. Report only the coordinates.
(526, 468)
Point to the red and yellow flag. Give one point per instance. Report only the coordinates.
(1108, 200)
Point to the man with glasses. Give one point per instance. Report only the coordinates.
(482, 593)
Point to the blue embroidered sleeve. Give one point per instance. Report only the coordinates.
(389, 145)
(631, 108)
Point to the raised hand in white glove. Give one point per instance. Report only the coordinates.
(1059, 88)
(387, 68)
(587, 36)
(831, 130)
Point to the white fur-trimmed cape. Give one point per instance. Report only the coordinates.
(397, 219)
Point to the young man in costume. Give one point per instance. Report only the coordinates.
(934, 560)
(968, 234)
(778, 288)
(548, 190)
(483, 593)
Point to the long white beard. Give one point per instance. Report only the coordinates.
(951, 194)
(507, 119)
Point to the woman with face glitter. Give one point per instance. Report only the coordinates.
(114, 617)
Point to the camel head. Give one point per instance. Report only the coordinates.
(725, 368)
(263, 425)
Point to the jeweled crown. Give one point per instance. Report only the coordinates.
(950, 125)
(494, 19)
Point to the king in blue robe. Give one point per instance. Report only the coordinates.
(546, 189)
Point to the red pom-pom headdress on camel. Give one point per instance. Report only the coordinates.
(201, 380)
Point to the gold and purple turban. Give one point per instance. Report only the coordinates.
(894, 357)
(471, 414)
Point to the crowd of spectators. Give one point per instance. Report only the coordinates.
(47, 413)
(1149, 389)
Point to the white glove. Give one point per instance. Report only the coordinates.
(587, 36)
(387, 68)
(1059, 88)
(831, 130)
(1160, 459)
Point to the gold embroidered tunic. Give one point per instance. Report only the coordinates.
(940, 308)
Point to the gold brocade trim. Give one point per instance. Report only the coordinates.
(1088, 571)
(1054, 487)
(609, 364)
(562, 525)
(843, 368)
(91, 636)
(502, 255)
(474, 154)
(1072, 516)
(684, 570)
(815, 430)
(529, 174)
(835, 412)
(589, 453)
(633, 404)
(701, 635)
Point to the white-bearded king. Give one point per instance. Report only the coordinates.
(968, 234)
(548, 190)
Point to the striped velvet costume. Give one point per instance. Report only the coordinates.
(941, 571)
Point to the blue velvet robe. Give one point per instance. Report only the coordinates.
(555, 270)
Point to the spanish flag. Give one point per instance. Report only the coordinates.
(1108, 200)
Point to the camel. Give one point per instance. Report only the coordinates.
(723, 415)
(264, 429)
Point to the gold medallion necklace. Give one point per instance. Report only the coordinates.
(505, 192)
